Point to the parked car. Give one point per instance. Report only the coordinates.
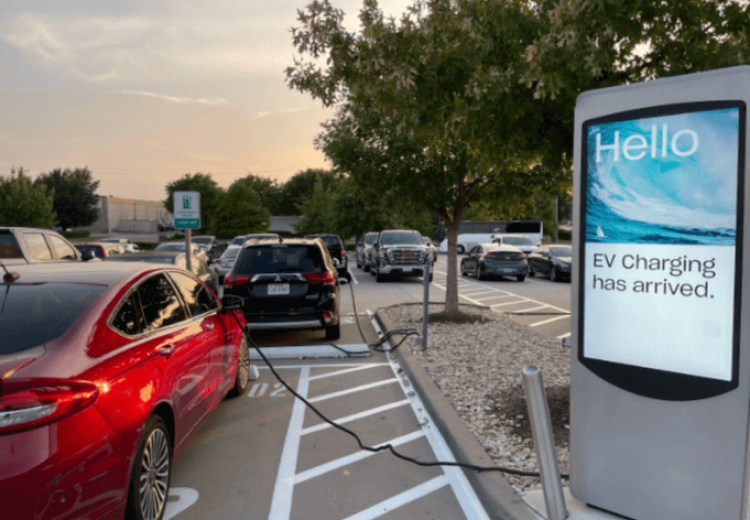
(223, 265)
(432, 248)
(399, 253)
(207, 243)
(364, 245)
(522, 242)
(101, 250)
(23, 245)
(180, 246)
(288, 284)
(106, 373)
(241, 239)
(338, 252)
(551, 261)
(485, 260)
(199, 267)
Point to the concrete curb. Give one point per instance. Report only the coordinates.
(501, 501)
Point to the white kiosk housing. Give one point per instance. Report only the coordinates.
(660, 362)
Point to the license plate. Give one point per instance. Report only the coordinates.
(275, 289)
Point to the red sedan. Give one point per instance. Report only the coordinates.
(105, 371)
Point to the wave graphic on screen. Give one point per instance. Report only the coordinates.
(655, 192)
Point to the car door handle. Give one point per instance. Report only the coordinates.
(166, 350)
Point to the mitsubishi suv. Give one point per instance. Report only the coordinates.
(287, 284)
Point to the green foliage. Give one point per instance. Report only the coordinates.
(210, 192)
(239, 212)
(317, 210)
(75, 195)
(269, 191)
(22, 203)
(299, 188)
(72, 235)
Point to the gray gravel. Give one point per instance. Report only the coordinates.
(478, 368)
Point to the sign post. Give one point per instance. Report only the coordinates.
(187, 216)
(660, 364)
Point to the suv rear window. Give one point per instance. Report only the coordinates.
(279, 259)
(9, 247)
(34, 314)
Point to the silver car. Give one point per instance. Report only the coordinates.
(225, 262)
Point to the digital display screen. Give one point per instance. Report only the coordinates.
(659, 282)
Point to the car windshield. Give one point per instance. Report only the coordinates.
(518, 241)
(561, 251)
(279, 259)
(371, 238)
(36, 313)
(97, 250)
(202, 240)
(402, 238)
(231, 253)
(170, 247)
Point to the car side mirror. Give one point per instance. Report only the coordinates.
(231, 302)
(88, 255)
(336, 263)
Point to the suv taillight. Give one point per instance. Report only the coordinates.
(326, 277)
(30, 403)
(232, 280)
(343, 253)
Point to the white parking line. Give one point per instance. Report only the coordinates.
(510, 303)
(353, 390)
(345, 371)
(404, 498)
(549, 320)
(354, 457)
(354, 417)
(535, 308)
(563, 336)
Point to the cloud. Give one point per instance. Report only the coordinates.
(261, 115)
(174, 99)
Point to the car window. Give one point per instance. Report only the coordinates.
(9, 247)
(37, 246)
(161, 305)
(371, 238)
(62, 248)
(35, 314)
(97, 250)
(231, 253)
(561, 251)
(277, 259)
(129, 319)
(198, 299)
(402, 238)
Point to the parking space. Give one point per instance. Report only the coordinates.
(270, 456)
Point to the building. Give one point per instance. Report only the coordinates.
(118, 215)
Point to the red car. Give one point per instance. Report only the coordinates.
(105, 371)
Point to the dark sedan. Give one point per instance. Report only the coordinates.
(106, 371)
(485, 260)
(551, 261)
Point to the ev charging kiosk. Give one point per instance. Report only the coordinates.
(660, 361)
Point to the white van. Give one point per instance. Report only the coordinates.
(466, 241)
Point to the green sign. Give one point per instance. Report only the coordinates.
(187, 223)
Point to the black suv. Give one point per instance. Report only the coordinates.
(287, 284)
(336, 247)
(399, 253)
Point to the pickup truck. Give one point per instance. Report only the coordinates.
(24, 245)
(399, 253)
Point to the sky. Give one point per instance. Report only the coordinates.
(143, 92)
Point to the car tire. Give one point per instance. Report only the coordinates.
(531, 273)
(333, 332)
(460, 249)
(152, 463)
(366, 268)
(553, 275)
(480, 273)
(243, 370)
(521, 277)
(359, 264)
(380, 277)
(463, 270)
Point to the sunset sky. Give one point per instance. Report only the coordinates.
(144, 91)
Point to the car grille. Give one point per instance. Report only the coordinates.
(406, 256)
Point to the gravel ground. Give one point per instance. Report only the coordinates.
(478, 364)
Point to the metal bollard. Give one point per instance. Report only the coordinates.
(544, 443)
(426, 282)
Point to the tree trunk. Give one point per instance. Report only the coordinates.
(451, 286)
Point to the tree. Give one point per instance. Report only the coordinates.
(317, 210)
(240, 211)
(209, 190)
(431, 107)
(75, 195)
(23, 203)
(269, 191)
(299, 187)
